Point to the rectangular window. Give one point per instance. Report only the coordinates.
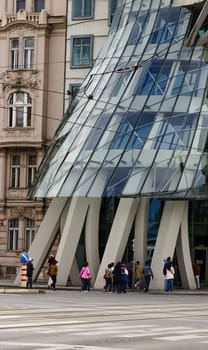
(82, 51)
(82, 8)
(14, 53)
(165, 26)
(155, 80)
(28, 53)
(31, 169)
(113, 5)
(39, 5)
(20, 5)
(29, 233)
(15, 171)
(73, 91)
(13, 234)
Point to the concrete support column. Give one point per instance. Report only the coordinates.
(92, 236)
(183, 254)
(70, 237)
(74, 273)
(166, 240)
(45, 235)
(119, 234)
(141, 220)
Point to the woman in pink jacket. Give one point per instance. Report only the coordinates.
(85, 277)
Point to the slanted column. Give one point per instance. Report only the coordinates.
(119, 235)
(166, 240)
(141, 220)
(70, 236)
(92, 236)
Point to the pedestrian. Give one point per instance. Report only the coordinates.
(167, 264)
(50, 259)
(52, 272)
(197, 272)
(148, 274)
(138, 274)
(109, 278)
(85, 276)
(120, 278)
(170, 272)
(30, 269)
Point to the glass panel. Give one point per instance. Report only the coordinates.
(82, 8)
(155, 79)
(20, 4)
(165, 25)
(39, 5)
(81, 51)
(19, 116)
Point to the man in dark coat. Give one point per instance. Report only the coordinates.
(30, 269)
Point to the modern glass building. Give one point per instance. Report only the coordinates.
(129, 161)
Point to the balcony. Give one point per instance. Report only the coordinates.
(22, 15)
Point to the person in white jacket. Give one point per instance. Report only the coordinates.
(170, 272)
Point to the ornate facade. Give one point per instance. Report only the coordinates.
(32, 40)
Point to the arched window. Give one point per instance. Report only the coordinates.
(20, 105)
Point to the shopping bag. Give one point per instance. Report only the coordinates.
(50, 281)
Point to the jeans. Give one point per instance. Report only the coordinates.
(29, 282)
(85, 284)
(53, 285)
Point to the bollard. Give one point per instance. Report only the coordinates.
(23, 275)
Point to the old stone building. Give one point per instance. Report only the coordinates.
(32, 44)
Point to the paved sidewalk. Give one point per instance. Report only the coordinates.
(8, 286)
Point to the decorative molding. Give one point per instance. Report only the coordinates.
(19, 79)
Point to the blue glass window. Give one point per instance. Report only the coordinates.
(186, 79)
(177, 130)
(133, 132)
(139, 30)
(165, 26)
(156, 78)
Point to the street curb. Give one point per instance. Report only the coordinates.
(20, 291)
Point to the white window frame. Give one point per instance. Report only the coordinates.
(82, 15)
(31, 169)
(13, 234)
(28, 54)
(29, 232)
(20, 110)
(14, 54)
(15, 171)
(81, 47)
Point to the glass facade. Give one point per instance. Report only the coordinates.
(139, 126)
